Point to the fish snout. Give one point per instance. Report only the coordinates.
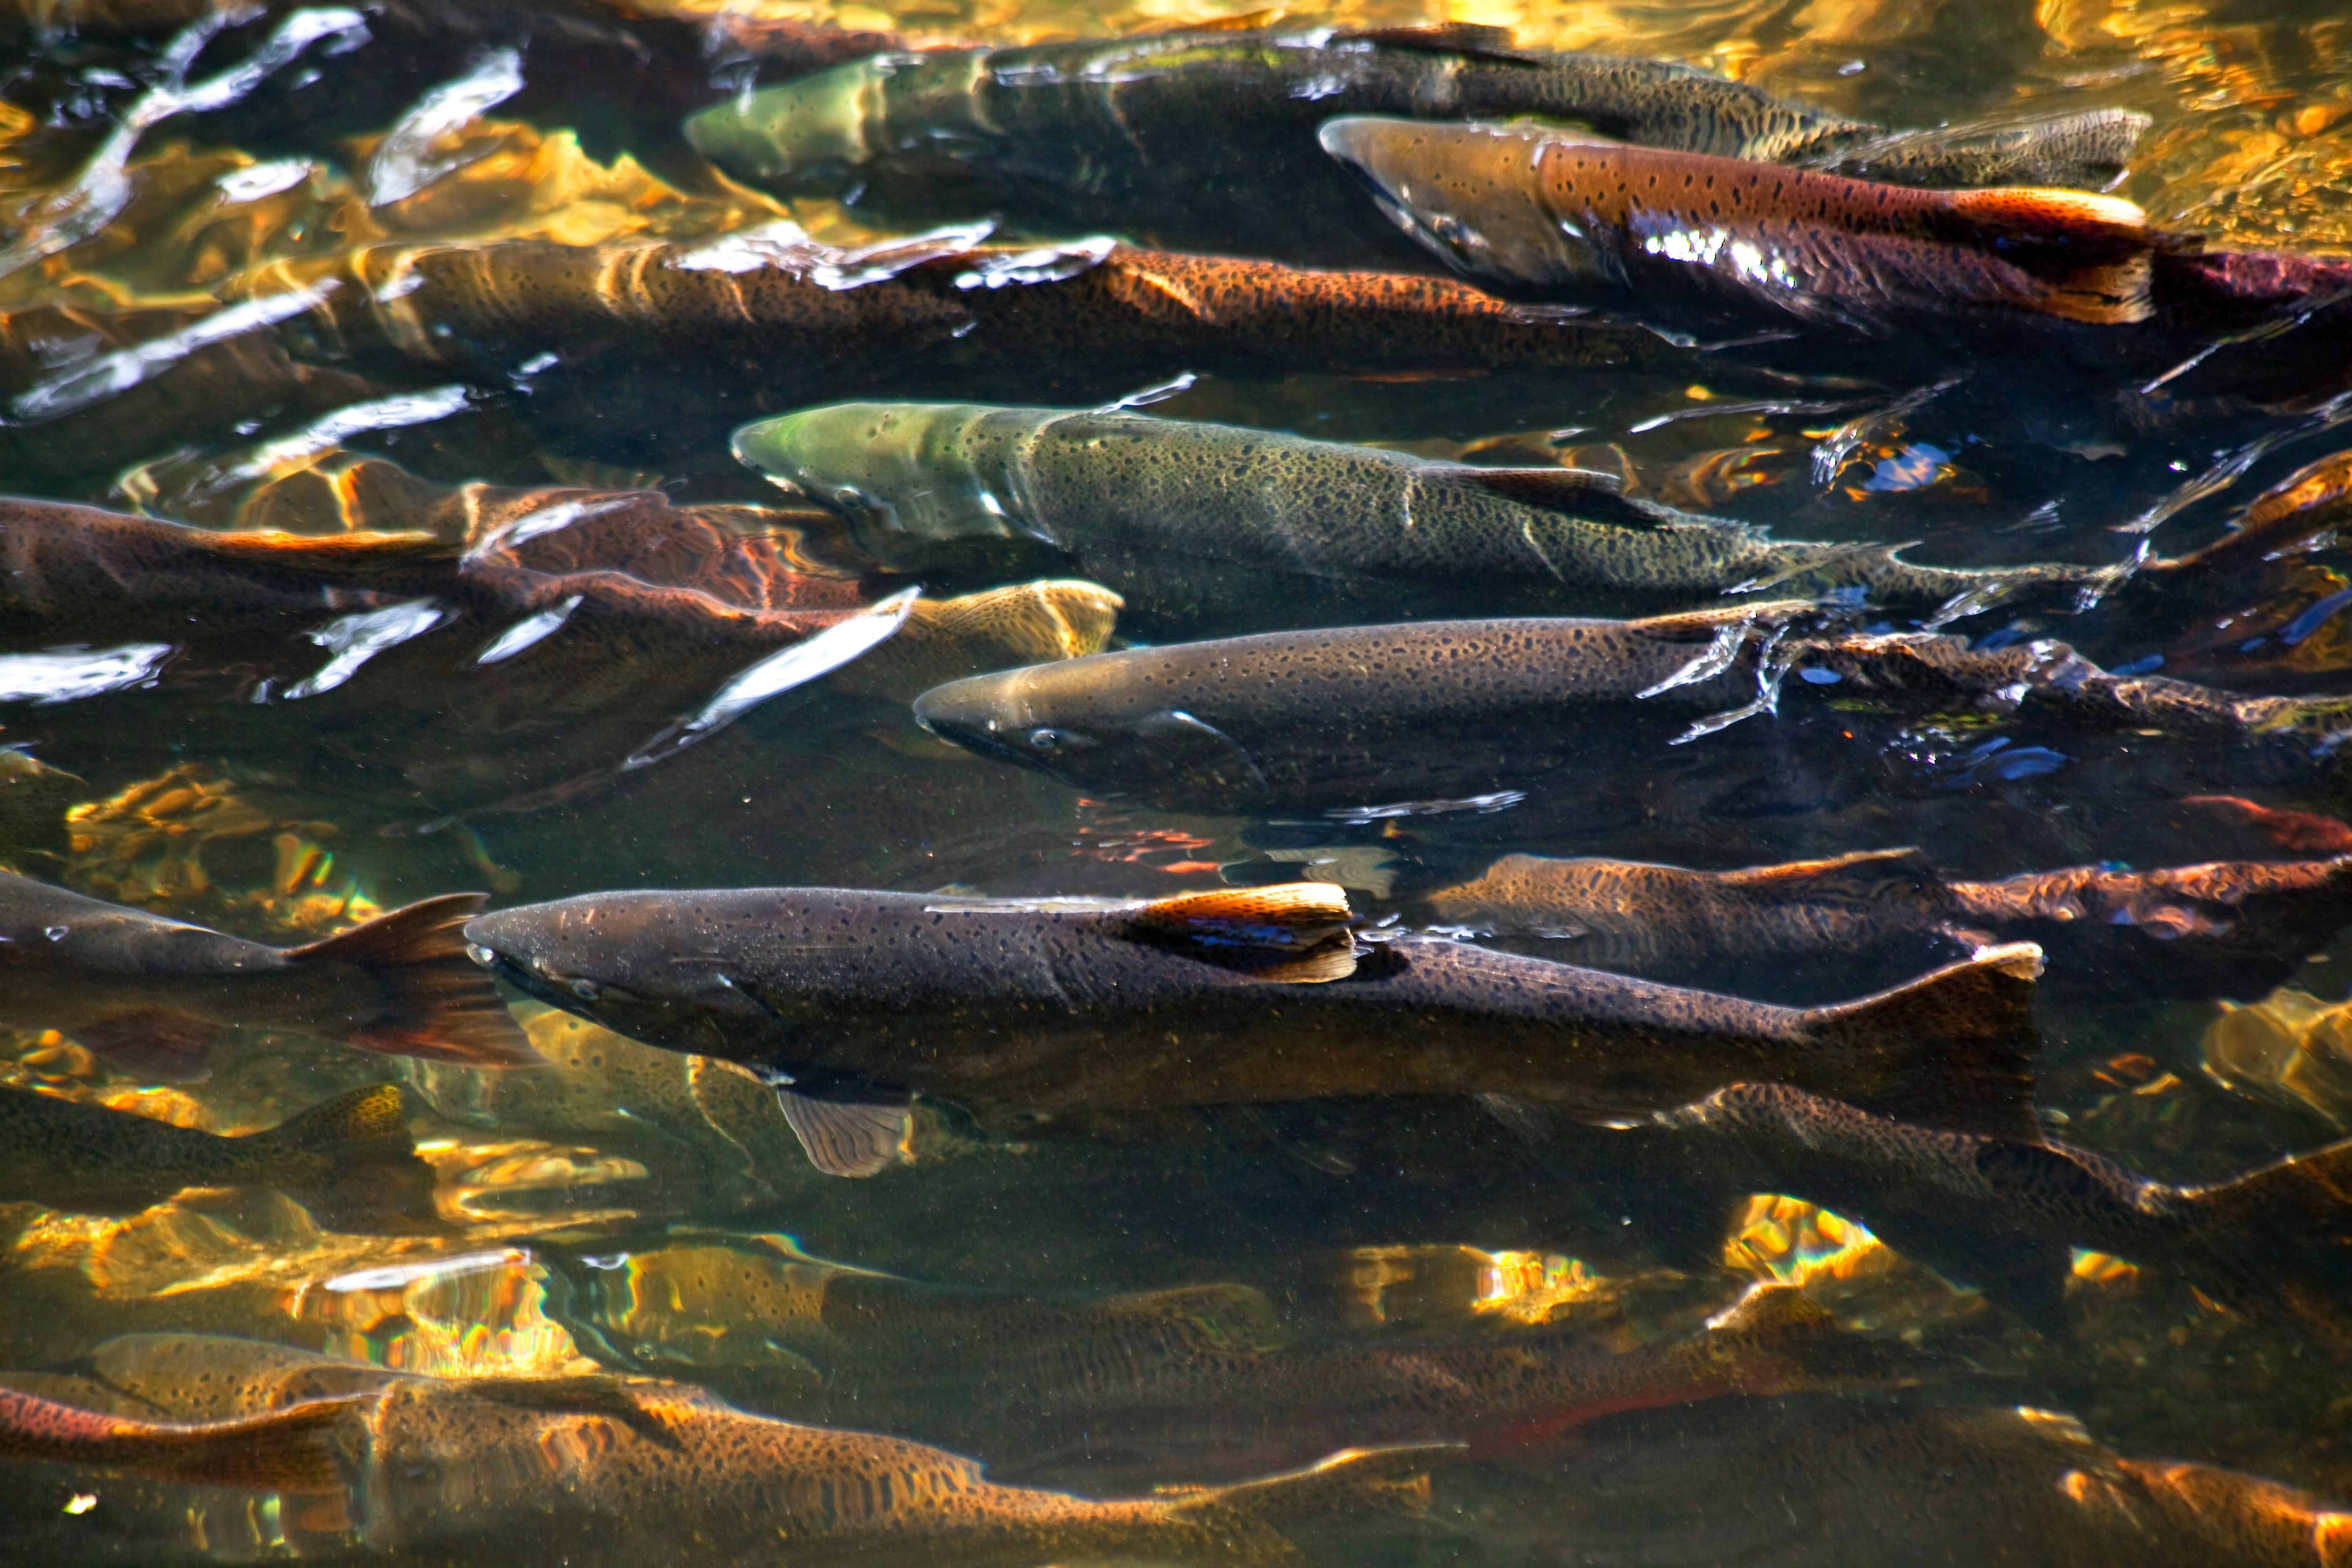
(503, 943)
(968, 713)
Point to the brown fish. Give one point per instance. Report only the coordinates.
(438, 1472)
(854, 1000)
(1537, 207)
(152, 994)
(2242, 926)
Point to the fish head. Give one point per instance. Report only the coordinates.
(896, 471)
(1473, 192)
(1079, 723)
(630, 961)
(808, 133)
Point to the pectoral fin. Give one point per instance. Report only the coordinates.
(153, 1043)
(848, 1137)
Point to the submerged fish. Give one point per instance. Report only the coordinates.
(1540, 208)
(2226, 929)
(1424, 710)
(152, 994)
(350, 1159)
(1192, 519)
(544, 1471)
(853, 1001)
(1861, 1484)
(2004, 1213)
(1201, 1401)
(1203, 137)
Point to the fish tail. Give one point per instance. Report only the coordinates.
(1953, 1049)
(351, 1160)
(287, 1450)
(2090, 150)
(437, 1001)
(2282, 1233)
(2093, 255)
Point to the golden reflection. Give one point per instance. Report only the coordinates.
(1436, 1286)
(148, 847)
(2290, 1047)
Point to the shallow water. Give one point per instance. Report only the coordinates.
(234, 296)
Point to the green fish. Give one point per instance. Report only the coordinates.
(1203, 139)
(348, 1159)
(152, 994)
(1199, 521)
(854, 1001)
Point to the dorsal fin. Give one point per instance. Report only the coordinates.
(1862, 874)
(1703, 623)
(342, 552)
(1774, 1312)
(1481, 40)
(1953, 1049)
(1288, 917)
(1578, 492)
(2095, 252)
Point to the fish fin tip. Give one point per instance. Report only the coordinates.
(331, 551)
(1580, 492)
(364, 1118)
(1483, 40)
(848, 1138)
(1775, 1311)
(1953, 1048)
(154, 1044)
(1284, 915)
(1393, 1479)
(1863, 873)
(1335, 960)
(1705, 623)
(437, 1003)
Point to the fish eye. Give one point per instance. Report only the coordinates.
(586, 990)
(1045, 740)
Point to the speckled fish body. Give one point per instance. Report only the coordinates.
(437, 1472)
(1203, 139)
(1177, 511)
(1560, 212)
(1357, 717)
(2227, 927)
(2004, 1213)
(1025, 1011)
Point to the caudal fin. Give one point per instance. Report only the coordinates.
(2087, 150)
(351, 1161)
(435, 1001)
(1952, 1049)
(2282, 1234)
(287, 1450)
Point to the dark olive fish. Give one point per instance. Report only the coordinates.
(153, 994)
(1355, 716)
(1539, 208)
(434, 1472)
(1865, 1483)
(854, 1000)
(1193, 518)
(350, 1159)
(2003, 1213)
(2230, 928)
(1203, 139)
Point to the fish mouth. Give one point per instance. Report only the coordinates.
(524, 977)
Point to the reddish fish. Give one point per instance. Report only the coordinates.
(1539, 207)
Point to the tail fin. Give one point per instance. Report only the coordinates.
(1394, 1480)
(285, 1451)
(437, 1002)
(355, 1166)
(2088, 151)
(1952, 1049)
(2282, 1233)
